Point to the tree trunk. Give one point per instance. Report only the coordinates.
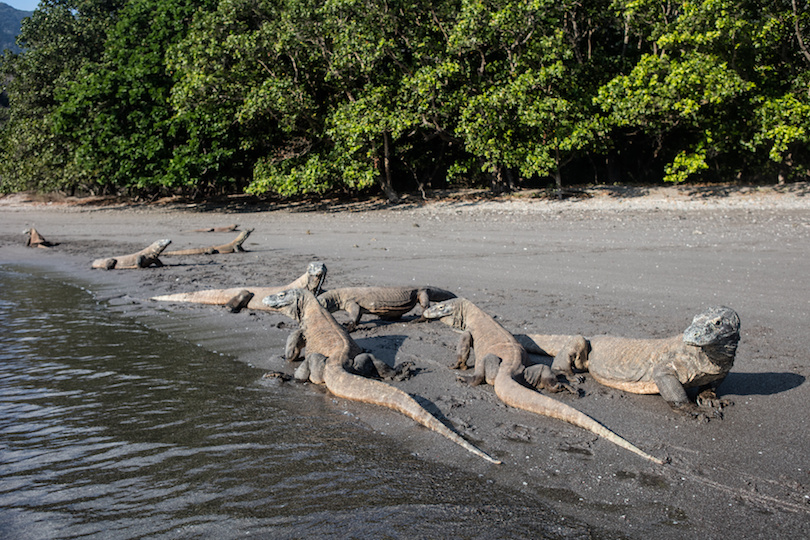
(385, 178)
(501, 180)
(558, 174)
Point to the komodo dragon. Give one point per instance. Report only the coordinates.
(34, 239)
(500, 361)
(700, 357)
(385, 302)
(329, 346)
(144, 258)
(231, 247)
(237, 298)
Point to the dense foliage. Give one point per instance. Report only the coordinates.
(306, 96)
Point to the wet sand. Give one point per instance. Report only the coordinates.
(638, 263)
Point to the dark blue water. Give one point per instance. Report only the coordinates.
(112, 430)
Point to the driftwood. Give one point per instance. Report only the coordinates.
(34, 239)
(230, 247)
(142, 259)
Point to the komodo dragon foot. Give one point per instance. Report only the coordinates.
(368, 365)
(541, 377)
(707, 406)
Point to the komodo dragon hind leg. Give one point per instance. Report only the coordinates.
(311, 369)
(240, 301)
(368, 365)
(423, 298)
(573, 355)
(540, 376)
(486, 369)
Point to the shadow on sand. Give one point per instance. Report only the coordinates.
(761, 384)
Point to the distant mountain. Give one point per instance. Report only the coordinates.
(10, 22)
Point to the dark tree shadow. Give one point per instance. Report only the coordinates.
(760, 384)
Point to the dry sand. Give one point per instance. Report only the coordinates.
(633, 262)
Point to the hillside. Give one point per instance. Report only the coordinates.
(10, 20)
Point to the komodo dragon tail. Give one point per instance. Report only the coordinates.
(209, 296)
(516, 395)
(349, 386)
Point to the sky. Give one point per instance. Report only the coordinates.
(24, 5)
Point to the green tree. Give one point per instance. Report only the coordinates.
(59, 38)
(117, 111)
(531, 69)
(707, 70)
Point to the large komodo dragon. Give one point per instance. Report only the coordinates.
(231, 247)
(144, 258)
(330, 351)
(385, 302)
(237, 298)
(700, 357)
(500, 361)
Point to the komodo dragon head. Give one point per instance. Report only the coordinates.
(316, 272)
(289, 302)
(449, 312)
(716, 328)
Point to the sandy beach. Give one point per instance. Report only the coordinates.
(636, 262)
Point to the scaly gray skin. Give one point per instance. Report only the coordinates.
(385, 302)
(700, 357)
(144, 258)
(238, 298)
(500, 361)
(231, 247)
(331, 352)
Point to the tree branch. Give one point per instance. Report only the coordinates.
(798, 32)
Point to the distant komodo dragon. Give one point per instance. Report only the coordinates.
(385, 302)
(225, 228)
(238, 298)
(231, 247)
(34, 239)
(500, 361)
(330, 355)
(144, 258)
(700, 357)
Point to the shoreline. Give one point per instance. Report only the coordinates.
(641, 267)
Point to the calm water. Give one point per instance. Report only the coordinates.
(109, 429)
